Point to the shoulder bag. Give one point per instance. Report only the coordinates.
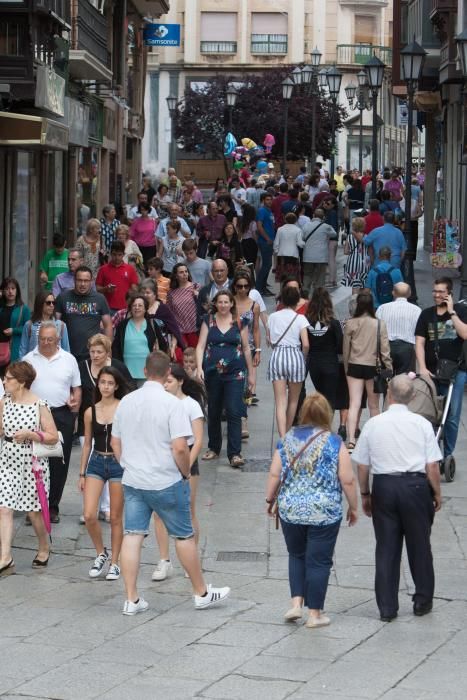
(5, 346)
(274, 345)
(273, 506)
(446, 370)
(383, 375)
(305, 240)
(40, 449)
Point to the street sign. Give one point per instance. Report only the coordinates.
(161, 35)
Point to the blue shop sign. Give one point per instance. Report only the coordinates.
(161, 35)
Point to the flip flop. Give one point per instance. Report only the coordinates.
(209, 455)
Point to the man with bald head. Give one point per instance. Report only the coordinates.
(400, 317)
(400, 450)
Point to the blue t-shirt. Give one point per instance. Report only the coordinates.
(390, 236)
(311, 493)
(383, 266)
(266, 217)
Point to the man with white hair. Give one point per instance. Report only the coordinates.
(400, 450)
(400, 317)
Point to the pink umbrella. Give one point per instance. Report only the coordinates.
(41, 493)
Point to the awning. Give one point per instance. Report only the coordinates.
(25, 130)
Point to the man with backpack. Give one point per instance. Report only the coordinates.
(387, 235)
(382, 278)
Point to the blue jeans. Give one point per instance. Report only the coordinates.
(228, 394)
(104, 467)
(455, 409)
(310, 549)
(266, 264)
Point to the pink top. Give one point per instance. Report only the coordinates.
(143, 232)
(182, 304)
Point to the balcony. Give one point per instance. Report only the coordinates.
(442, 6)
(89, 57)
(271, 44)
(218, 47)
(153, 8)
(359, 54)
(58, 9)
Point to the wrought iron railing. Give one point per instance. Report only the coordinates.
(269, 43)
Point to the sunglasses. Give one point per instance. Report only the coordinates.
(242, 286)
(50, 303)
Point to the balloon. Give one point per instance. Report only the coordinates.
(269, 142)
(249, 143)
(230, 143)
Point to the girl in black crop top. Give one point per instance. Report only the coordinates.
(98, 465)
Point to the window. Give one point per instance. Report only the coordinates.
(365, 29)
(269, 32)
(12, 38)
(215, 26)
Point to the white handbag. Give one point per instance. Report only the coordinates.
(41, 450)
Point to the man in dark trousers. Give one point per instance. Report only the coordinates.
(400, 450)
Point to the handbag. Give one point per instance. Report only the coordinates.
(273, 506)
(445, 370)
(40, 449)
(274, 345)
(383, 375)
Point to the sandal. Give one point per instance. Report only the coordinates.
(208, 455)
(350, 447)
(39, 563)
(236, 461)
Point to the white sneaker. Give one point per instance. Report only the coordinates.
(163, 569)
(213, 596)
(99, 563)
(131, 608)
(113, 573)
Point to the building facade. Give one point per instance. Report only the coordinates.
(244, 36)
(72, 80)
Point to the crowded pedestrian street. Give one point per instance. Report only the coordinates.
(63, 635)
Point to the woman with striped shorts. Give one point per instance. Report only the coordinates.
(286, 371)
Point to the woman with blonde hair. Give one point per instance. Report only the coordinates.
(309, 470)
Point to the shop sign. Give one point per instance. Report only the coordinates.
(161, 35)
(77, 118)
(50, 91)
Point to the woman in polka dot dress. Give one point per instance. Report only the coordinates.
(19, 427)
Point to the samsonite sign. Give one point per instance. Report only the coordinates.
(161, 35)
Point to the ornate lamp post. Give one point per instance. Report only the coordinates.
(334, 79)
(172, 102)
(375, 74)
(461, 40)
(287, 90)
(362, 103)
(412, 60)
(315, 62)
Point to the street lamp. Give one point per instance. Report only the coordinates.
(362, 99)
(375, 74)
(287, 90)
(231, 95)
(461, 40)
(322, 78)
(172, 102)
(315, 56)
(333, 79)
(350, 92)
(412, 60)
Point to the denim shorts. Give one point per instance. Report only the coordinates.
(104, 467)
(172, 505)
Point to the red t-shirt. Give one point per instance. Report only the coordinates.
(373, 220)
(122, 277)
(365, 180)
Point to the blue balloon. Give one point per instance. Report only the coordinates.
(230, 144)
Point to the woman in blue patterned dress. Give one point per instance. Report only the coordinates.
(311, 467)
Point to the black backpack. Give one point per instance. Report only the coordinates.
(384, 286)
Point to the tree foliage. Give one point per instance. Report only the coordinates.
(203, 116)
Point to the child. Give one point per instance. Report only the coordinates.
(189, 363)
(155, 266)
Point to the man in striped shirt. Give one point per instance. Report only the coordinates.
(401, 319)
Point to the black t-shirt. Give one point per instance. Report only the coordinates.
(82, 314)
(325, 341)
(450, 344)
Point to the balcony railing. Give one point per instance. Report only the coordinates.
(359, 54)
(269, 44)
(218, 47)
(58, 8)
(90, 32)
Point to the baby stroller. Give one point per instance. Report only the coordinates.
(434, 408)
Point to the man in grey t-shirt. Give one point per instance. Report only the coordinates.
(316, 236)
(199, 268)
(83, 310)
(149, 439)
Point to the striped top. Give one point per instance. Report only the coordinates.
(400, 318)
(182, 303)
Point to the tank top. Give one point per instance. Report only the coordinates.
(101, 432)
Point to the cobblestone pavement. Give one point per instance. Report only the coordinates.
(62, 635)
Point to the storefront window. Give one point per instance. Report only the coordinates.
(19, 247)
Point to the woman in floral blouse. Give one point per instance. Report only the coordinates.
(311, 467)
(223, 358)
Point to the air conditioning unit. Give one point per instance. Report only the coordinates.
(135, 122)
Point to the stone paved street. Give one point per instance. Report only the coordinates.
(62, 635)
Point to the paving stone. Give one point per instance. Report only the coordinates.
(282, 668)
(247, 634)
(150, 687)
(236, 687)
(202, 662)
(26, 661)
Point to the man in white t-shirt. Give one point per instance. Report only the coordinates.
(149, 440)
